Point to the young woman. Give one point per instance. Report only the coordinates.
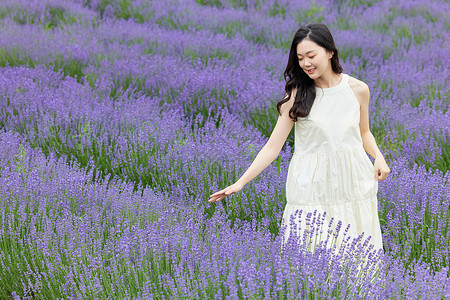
(329, 170)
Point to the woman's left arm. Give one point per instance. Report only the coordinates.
(381, 169)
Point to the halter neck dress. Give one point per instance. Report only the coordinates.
(330, 170)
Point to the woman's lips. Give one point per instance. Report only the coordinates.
(310, 71)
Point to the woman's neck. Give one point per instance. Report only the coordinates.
(328, 80)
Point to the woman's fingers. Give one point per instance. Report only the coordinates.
(225, 191)
(376, 173)
(381, 174)
(229, 190)
(218, 193)
(217, 196)
(213, 199)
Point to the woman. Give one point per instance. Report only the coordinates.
(329, 170)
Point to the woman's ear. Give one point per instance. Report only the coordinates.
(330, 54)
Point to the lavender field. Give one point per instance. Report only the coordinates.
(118, 119)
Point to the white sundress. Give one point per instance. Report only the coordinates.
(330, 170)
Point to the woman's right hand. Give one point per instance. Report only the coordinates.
(230, 190)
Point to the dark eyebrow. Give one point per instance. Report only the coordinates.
(307, 52)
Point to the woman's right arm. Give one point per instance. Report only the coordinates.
(267, 154)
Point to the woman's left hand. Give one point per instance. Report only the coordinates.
(381, 169)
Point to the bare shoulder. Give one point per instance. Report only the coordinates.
(360, 89)
(286, 107)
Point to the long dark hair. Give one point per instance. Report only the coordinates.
(296, 78)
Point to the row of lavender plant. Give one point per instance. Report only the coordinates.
(128, 63)
(167, 158)
(131, 140)
(68, 235)
(85, 134)
(366, 50)
(188, 164)
(78, 141)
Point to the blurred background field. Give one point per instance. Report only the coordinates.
(118, 119)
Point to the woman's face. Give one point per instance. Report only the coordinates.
(313, 59)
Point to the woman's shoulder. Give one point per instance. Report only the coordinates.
(359, 87)
(357, 84)
(360, 90)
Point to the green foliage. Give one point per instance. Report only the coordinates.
(388, 146)
(22, 17)
(387, 52)
(138, 84)
(265, 119)
(231, 28)
(57, 17)
(216, 3)
(442, 162)
(347, 52)
(122, 9)
(69, 66)
(356, 3)
(238, 3)
(257, 36)
(284, 44)
(214, 53)
(128, 162)
(23, 254)
(21, 160)
(277, 9)
(385, 85)
(14, 57)
(416, 239)
(101, 6)
(401, 32)
(312, 15)
(91, 79)
(430, 99)
(345, 23)
(236, 207)
(52, 17)
(3, 13)
(207, 105)
(383, 26)
(154, 47)
(171, 21)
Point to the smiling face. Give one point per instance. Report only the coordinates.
(313, 59)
